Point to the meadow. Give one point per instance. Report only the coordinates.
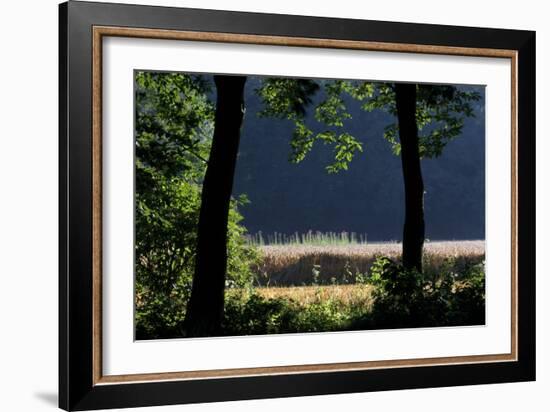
(318, 261)
(334, 282)
(202, 266)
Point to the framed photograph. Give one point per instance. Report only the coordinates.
(256, 206)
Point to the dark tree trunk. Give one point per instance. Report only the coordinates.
(413, 231)
(205, 308)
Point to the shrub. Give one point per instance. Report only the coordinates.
(174, 119)
(166, 232)
(407, 298)
(249, 313)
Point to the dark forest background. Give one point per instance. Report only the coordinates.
(202, 271)
(368, 198)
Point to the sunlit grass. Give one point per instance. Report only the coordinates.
(311, 238)
(342, 295)
(298, 264)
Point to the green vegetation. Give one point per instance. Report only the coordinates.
(173, 119)
(386, 297)
(198, 273)
(407, 298)
(427, 118)
(296, 264)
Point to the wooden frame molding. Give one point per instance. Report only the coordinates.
(101, 31)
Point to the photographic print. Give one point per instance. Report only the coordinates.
(276, 205)
(241, 193)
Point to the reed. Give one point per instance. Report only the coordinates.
(311, 238)
(296, 264)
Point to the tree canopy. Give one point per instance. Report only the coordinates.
(440, 114)
(173, 133)
(176, 121)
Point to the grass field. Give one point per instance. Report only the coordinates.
(303, 264)
(334, 286)
(296, 309)
(344, 295)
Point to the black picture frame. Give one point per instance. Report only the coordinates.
(77, 390)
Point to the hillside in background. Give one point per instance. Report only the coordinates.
(368, 198)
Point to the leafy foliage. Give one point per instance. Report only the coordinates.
(440, 114)
(249, 313)
(174, 123)
(407, 298)
(289, 98)
(174, 126)
(400, 299)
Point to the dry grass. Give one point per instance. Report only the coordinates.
(285, 265)
(306, 295)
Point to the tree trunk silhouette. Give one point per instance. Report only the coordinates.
(206, 304)
(414, 230)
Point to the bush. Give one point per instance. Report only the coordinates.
(174, 125)
(251, 314)
(401, 299)
(248, 313)
(407, 298)
(166, 233)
